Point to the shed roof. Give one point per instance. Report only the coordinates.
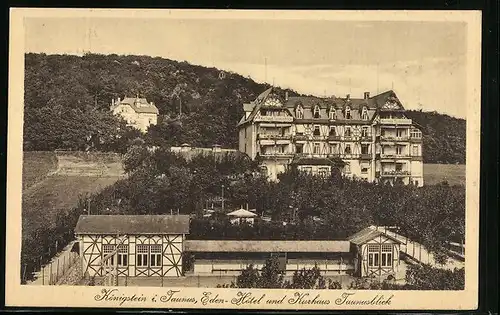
(266, 246)
(132, 224)
(367, 234)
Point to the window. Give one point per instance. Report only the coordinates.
(416, 183)
(364, 168)
(399, 150)
(373, 255)
(316, 131)
(415, 133)
(386, 255)
(107, 249)
(155, 251)
(400, 133)
(333, 133)
(347, 112)
(263, 112)
(323, 171)
(122, 255)
(364, 132)
(317, 112)
(307, 169)
(382, 132)
(347, 149)
(299, 148)
(364, 113)
(316, 148)
(334, 148)
(399, 167)
(347, 132)
(299, 113)
(364, 149)
(142, 255)
(347, 168)
(263, 170)
(332, 114)
(415, 150)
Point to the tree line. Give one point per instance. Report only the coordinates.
(418, 277)
(67, 101)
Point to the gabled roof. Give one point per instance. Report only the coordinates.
(367, 234)
(132, 224)
(242, 213)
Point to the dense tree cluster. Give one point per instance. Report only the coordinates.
(67, 101)
(418, 277)
(162, 182)
(443, 137)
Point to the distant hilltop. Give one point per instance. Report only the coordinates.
(67, 97)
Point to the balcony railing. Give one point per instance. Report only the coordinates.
(275, 118)
(268, 136)
(276, 153)
(334, 137)
(395, 173)
(300, 137)
(395, 121)
(393, 156)
(366, 156)
(394, 138)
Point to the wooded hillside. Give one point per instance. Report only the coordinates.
(67, 101)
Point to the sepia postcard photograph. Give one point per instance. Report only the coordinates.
(233, 159)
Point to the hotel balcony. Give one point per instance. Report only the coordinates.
(287, 119)
(269, 155)
(392, 156)
(394, 173)
(416, 139)
(395, 121)
(301, 137)
(334, 138)
(268, 136)
(394, 138)
(366, 138)
(366, 156)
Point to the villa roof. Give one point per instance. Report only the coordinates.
(132, 224)
(139, 105)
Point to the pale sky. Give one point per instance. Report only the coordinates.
(423, 62)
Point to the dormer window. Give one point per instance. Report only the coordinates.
(299, 112)
(332, 114)
(364, 113)
(316, 131)
(333, 133)
(347, 112)
(317, 113)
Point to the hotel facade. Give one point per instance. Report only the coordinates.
(372, 136)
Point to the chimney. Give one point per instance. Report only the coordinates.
(112, 102)
(286, 95)
(348, 97)
(119, 100)
(367, 95)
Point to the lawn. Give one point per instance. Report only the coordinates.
(55, 194)
(452, 173)
(36, 166)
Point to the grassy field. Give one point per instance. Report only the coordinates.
(36, 166)
(437, 173)
(45, 194)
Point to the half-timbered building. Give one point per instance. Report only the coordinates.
(376, 254)
(135, 245)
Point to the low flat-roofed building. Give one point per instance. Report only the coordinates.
(137, 245)
(225, 257)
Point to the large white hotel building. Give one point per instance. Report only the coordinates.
(373, 137)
